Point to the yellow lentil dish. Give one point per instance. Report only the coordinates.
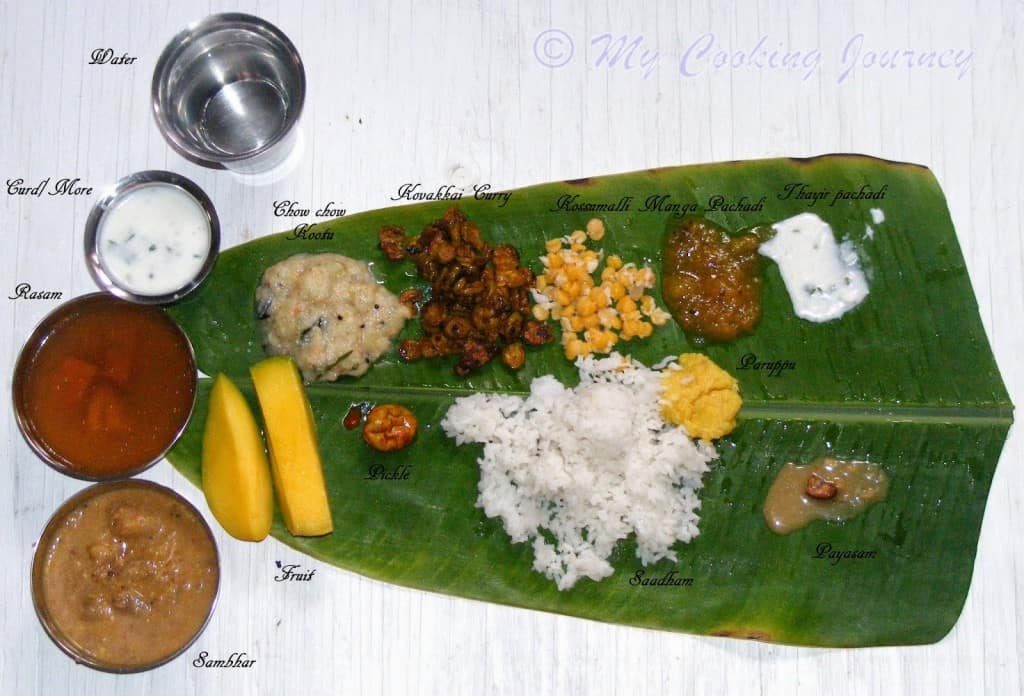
(594, 316)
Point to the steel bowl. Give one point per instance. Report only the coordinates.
(39, 567)
(115, 193)
(53, 322)
(228, 91)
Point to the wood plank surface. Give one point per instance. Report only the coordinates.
(470, 93)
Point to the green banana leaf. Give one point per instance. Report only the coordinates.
(906, 380)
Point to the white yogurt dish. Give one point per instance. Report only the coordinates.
(824, 279)
(153, 238)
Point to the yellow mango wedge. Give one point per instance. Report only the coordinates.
(236, 475)
(294, 454)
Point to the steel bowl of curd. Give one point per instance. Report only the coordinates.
(152, 238)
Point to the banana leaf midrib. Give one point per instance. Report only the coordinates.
(782, 409)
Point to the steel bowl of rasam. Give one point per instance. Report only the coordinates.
(103, 387)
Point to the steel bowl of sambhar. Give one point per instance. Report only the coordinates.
(125, 576)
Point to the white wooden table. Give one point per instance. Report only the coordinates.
(467, 93)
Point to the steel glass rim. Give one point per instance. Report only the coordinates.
(177, 46)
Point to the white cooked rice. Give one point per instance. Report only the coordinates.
(576, 470)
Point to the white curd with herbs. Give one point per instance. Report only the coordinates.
(824, 279)
(154, 240)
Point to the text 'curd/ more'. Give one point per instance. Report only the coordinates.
(154, 240)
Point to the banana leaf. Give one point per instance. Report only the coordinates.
(906, 380)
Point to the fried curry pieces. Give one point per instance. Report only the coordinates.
(479, 295)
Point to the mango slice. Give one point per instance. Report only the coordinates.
(236, 475)
(294, 453)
